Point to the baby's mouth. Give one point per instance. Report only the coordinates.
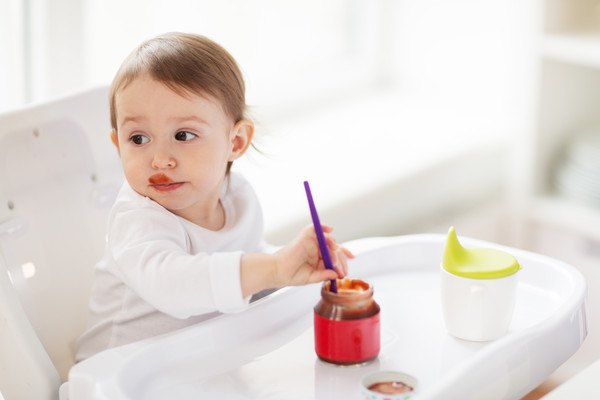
(163, 183)
(160, 179)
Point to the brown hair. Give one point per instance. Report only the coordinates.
(185, 63)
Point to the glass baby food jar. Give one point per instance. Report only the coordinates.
(346, 323)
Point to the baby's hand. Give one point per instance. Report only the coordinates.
(300, 262)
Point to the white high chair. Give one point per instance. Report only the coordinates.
(58, 176)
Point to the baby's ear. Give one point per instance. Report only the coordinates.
(241, 137)
(114, 138)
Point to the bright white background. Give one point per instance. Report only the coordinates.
(352, 95)
(464, 50)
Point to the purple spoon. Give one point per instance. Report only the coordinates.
(320, 236)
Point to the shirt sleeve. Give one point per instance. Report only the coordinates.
(149, 248)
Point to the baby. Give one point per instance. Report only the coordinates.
(184, 236)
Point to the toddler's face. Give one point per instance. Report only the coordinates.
(174, 149)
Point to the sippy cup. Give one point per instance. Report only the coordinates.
(478, 290)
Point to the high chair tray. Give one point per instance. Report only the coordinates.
(267, 351)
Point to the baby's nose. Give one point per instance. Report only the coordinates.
(163, 159)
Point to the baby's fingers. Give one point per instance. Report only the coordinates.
(342, 255)
(321, 275)
(327, 228)
(339, 258)
(346, 252)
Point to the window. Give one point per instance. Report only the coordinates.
(12, 65)
(289, 51)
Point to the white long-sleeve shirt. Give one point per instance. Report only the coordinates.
(161, 272)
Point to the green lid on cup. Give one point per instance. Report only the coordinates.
(478, 263)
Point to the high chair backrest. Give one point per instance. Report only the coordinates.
(58, 176)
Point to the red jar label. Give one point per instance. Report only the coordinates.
(347, 341)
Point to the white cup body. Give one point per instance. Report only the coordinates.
(477, 309)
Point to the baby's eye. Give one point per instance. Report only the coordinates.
(139, 139)
(184, 136)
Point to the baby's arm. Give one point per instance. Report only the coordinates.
(149, 253)
(298, 263)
